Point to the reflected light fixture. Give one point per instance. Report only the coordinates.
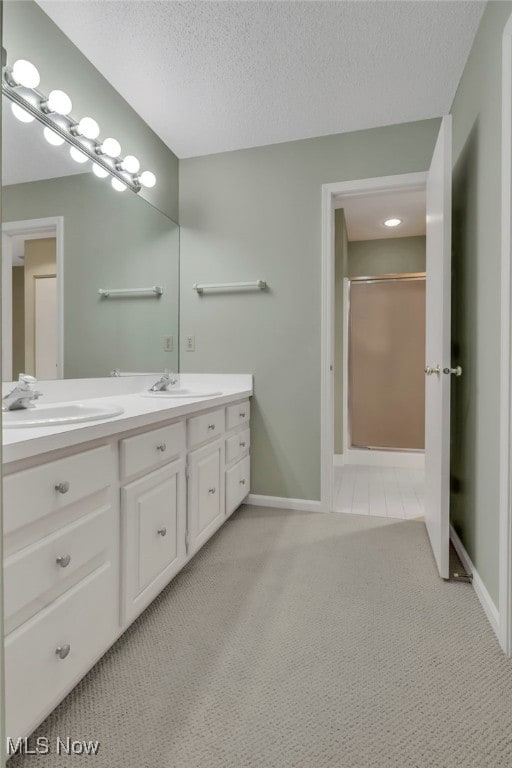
(78, 156)
(24, 73)
(20, 85)
(53, 138)
(393, 222)
(21, 114)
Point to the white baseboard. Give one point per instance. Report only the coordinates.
(486, 601)
(281, 502)
(371, 458)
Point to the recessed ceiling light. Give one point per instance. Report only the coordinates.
(393, 222)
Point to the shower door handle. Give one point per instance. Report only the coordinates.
(457, 371)
(429, 370)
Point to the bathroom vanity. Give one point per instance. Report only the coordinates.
(100, 516)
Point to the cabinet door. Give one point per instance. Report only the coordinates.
(206, 493)
(238, 480)
(153, 517)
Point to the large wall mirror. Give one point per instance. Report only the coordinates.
(66, 235)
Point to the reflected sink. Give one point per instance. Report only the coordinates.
(179, 392)
(58, 414)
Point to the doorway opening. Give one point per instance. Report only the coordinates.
(32, 290)
(379, 336)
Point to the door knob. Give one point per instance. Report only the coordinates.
(162, 531)
(63, 560)
(429, 370)
(62, 651)
(457, 371)
(62, 487)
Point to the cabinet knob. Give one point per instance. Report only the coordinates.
(162, 447)
(242, 482)
(211, 426)
(211, 491)
(63, 560)
(242, 414)
(162, 531)
(242, 444)
(62, 487)
(63, 650)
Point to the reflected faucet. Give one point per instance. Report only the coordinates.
(23, 394)
(167, 379)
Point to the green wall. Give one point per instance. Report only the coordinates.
(30, 34)
(476, 297)
(256, 213)
(111, 240)
(386, 256)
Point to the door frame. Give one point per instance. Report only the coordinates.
(363, 188)
(34, 229)
(505, 475)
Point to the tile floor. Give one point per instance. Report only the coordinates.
(380, 491)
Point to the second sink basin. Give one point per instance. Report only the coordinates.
(179, 392)
(58, 414)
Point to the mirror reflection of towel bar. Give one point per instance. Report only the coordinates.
(155, 290)
(256, 284)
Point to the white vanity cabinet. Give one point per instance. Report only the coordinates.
(93, 534)
(60, 579)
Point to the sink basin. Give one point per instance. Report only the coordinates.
(58, 414)
(179, 392)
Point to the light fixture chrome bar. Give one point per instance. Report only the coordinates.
(256, 284)
(154, 290)
(13, 94)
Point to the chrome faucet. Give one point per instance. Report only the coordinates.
(23, 394)
(167, 379)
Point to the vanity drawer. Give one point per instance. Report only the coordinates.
(237, 414)
(150, 449)
(237, 445)
(34, 493)
(36, 676)
(205, 427)
(238, 480)
(38, 574)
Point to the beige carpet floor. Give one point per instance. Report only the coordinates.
(299, 640)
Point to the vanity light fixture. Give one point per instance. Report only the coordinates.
(20, 85)
(53, 138)
(393, 222)
(21, 114)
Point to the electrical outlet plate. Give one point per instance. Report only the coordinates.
(168, 343)
(190, 343)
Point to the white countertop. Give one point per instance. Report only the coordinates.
(27, 442)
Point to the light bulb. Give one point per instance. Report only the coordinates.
(392, 222)
(130, 164)
(52, 138)
(147, 179)
(25, 73)
(89, 128)
(78, 156)
(99, 171)
(59, 102)
(118, 184)
(111, 147)
(22, 114)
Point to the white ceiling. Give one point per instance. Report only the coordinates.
(27, 156)
(217, 76)
(365, 215)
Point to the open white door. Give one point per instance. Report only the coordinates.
(438, 348)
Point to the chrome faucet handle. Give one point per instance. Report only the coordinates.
(22, 395)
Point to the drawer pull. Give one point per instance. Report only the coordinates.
(162, 531)
(63, 560)
(242, 444)
(162, 447)
(62, 487)
(242, 482)
(242, 414)
(62, 650)
(211, 426)
(211, 491)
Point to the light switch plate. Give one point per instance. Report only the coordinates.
(190, 343)
(168, 343)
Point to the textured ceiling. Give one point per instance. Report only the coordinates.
(216, 76)
(365, 215)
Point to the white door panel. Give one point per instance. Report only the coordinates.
(437, 349)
